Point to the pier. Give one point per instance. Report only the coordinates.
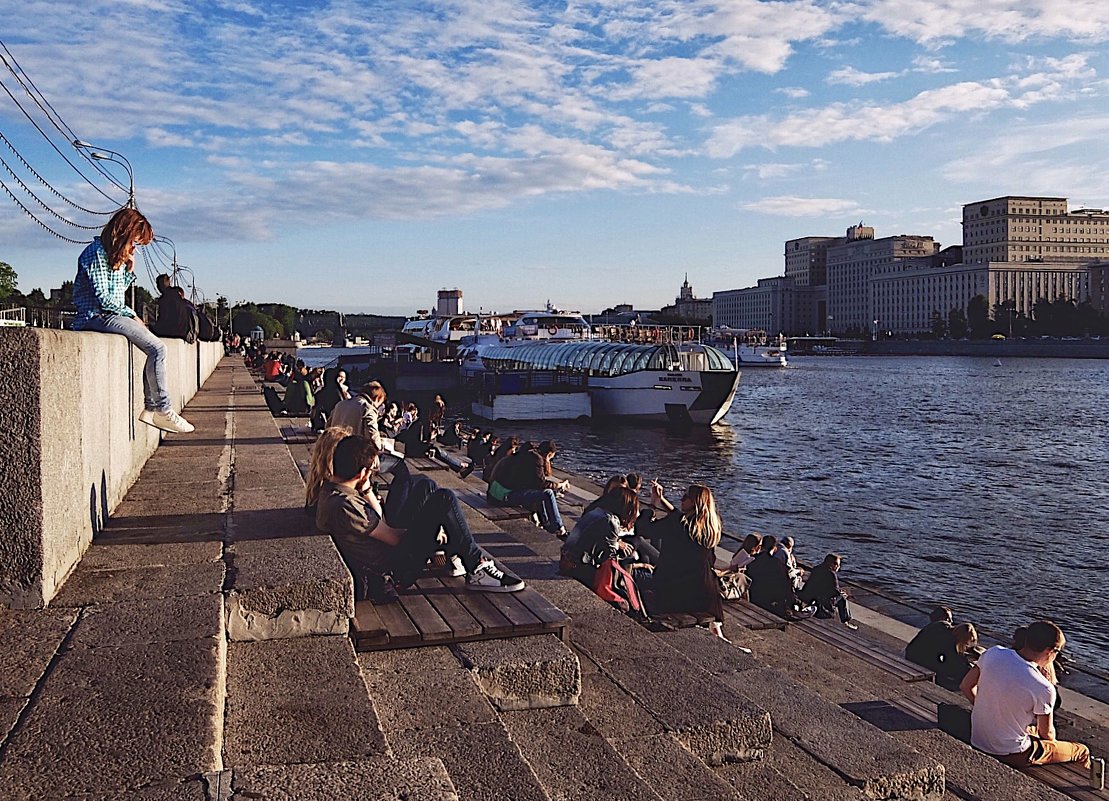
(201, 646)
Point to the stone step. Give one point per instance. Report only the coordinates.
(297, 700)
(430, 705)
(414, 779)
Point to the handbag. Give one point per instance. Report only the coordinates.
(498, 492)
(733, 586)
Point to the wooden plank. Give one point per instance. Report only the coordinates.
(462, 623)
(543, 609)
(423, 463)
(490, 618)
(754, 617)
(367, 622)
(427, 620)
(518, 615)
(1068, 778)
(400, 627)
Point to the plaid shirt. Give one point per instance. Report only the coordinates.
(98, 289)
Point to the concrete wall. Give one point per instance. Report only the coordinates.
(71, 446)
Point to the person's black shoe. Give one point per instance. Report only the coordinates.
(465, 471)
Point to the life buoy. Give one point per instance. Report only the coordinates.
(552, 330)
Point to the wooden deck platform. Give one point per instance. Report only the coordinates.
(753, 617)
(440, 611)
(835, 633)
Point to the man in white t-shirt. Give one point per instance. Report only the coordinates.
(1014, 701)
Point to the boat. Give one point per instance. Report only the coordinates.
(753, 347)
(689, 383)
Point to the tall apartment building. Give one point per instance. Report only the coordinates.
(1016, 228)
(1099, 286)
(851, 266)
(807, 259)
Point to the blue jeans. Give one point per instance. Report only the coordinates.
(154, 390)
(545, 500)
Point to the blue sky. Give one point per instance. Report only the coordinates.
(362, 155)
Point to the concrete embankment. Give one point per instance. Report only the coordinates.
(71, 446)
(194, 654)
(992, 348)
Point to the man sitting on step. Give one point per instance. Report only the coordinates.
(375, 542)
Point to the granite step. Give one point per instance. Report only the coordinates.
(416, 779)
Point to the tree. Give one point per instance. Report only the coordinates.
(978, 318)
(939, 325)
(957, 323)
(8, 280)
(35, 298)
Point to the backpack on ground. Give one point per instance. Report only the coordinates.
(614, 584)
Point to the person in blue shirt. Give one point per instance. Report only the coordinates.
(105, 269)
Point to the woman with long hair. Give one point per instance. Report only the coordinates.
(319, 471)
(105, 270)
(684, 579)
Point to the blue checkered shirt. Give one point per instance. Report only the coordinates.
(98, 289)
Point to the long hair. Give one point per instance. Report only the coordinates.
(1038, 636)
(319, 472)
(702, 522)
(126, 227)
(624, 504)
(965, 636)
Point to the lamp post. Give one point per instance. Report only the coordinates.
(104, 154)
(875, 330)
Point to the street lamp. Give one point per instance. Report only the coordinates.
(875, 330)
(104, 154)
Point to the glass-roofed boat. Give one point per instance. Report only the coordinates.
(687, 383)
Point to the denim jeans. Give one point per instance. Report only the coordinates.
(155, 393)
(545, 500)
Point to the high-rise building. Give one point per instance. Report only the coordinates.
(1099, 286)
(776, 305)
(807, 259)
(1017, 228)
(448, 303)
(852, 264)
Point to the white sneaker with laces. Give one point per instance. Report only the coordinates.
(851, 624)
(455, 568)
(487, 577)
(147, 416)
(169, 421)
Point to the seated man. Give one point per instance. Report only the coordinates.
(521, 480)
(934, 639)
(768, 580)
(823, 588)
(399, 543)
(1013, 695)
(177, 318)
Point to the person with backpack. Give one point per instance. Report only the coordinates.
(177, 318)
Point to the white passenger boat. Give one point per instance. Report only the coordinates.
(753, 348)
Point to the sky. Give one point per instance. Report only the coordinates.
(361, 155)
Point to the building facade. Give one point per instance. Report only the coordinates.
(851, 266)
(807, 259)
(908, 295)
(689, 307)
(775, 305)
(1017, 228)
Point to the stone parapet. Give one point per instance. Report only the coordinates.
(72, 446)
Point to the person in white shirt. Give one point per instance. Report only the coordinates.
(1013, 698)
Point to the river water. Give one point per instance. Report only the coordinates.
(941, 480)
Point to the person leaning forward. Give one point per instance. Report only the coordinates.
(362, 412)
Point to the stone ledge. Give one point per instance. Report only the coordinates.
(416, 779)
(709, 718)
(287, 587)
(524, 672)
(864, 755)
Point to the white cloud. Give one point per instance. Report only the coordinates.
(931, 65)
(937, 21)
(790, 206)
(795, 92)
(854, 77)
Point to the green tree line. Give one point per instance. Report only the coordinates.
(1061, 317)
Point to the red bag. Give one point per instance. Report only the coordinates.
(614, 584)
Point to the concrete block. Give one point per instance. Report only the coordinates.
(571, 758)
(868, 757)
(614, 713)
(116, 718)
(381, 779)
(807, 779)
(427, 699)
(86, 587)
(709, 652)
(195, 790)
(709, 718)
(28, 641)
(673, 772)
(289, 587)
(299, 700)
(605, 633)
(409, 661)
(162, 620)
(569, 595)
(524, 672)
(482, 760)
(9, 714)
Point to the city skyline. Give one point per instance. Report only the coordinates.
(363, 156)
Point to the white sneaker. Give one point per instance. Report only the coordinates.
(489, 578)
(455, 568)
(851, 624)
(169, 421)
